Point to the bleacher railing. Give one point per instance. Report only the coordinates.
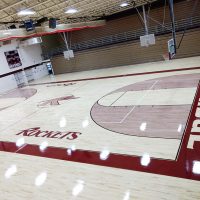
(180, 25)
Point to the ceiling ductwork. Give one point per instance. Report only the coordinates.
(66, 12)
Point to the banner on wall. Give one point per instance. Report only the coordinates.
(13, 59)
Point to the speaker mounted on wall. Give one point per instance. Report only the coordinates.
(52, 23)
(29, 25)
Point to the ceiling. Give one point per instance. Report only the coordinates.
(89, 9)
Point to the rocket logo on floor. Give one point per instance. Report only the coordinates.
(56, 101)
(37, 132)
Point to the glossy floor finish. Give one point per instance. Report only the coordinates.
(123, 133)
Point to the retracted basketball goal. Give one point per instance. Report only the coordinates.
(147, 39)
(68, 54)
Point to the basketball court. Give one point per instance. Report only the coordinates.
(99, 100)
(97, 134)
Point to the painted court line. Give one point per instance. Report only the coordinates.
(117, 76)
(139, 100)
(118, 98)
(174, 168)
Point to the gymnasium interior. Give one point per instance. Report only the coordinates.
(99, 100)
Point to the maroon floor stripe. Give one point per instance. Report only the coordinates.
(117, 76)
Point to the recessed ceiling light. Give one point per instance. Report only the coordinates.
(26, 12)
(71, 11)
(124, 4)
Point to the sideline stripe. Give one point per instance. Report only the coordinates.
(117, 76)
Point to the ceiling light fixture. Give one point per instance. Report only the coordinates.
(26, 12)
(71, 11)
(124, 4)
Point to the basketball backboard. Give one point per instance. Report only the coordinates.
(171, 48)
(147, 40)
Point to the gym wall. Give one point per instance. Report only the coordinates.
(126, 54)
(129, 53)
